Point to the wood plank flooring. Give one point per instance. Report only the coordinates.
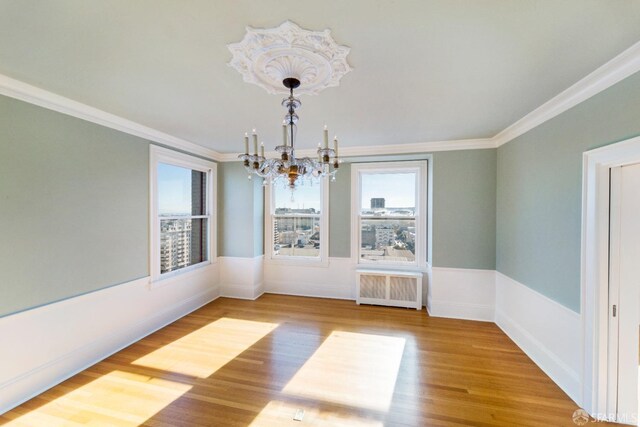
(255, 363)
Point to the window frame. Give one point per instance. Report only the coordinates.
(422, 194)
(159, 155)
(322, 260)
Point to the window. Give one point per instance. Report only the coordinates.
(389, 210)
(182, 199)
(295, 227)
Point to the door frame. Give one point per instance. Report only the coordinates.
(594, 274)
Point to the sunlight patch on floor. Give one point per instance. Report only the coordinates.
(280, 413)
(353, 369)
(203, 352)
(115, 399)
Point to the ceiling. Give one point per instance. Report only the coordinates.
(424, 70)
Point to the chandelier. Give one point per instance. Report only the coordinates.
(288, 167)
(280, 60)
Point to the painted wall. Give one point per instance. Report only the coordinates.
(240, 212)
(340, 213)
(464, 217)
(73, 206)
(464, 203)
(464, 209)
(540, 186)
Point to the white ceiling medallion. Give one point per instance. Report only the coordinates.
(266, 57)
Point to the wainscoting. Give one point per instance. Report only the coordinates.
(462, 293)
(46, 345)
(548, 332)
(43, 346)
(336, 280)
(241, 277)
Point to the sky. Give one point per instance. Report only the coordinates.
(398, 189)
(304, 197)
(174, 190)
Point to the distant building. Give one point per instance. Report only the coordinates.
(368, 236)
(384, 236)
(377, 203)
(175, 244)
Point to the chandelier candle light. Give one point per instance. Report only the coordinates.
(288, 167)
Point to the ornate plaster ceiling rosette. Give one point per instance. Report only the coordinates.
(265, 57)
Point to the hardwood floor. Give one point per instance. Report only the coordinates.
(255, 363)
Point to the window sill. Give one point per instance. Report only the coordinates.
(173, 276)
(392, 266)
(297, 262)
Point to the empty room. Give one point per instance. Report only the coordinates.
(367, 213)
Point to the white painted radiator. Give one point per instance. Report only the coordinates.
(389, 287)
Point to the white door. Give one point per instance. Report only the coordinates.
(625, 289)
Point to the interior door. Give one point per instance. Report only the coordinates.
(625, 275)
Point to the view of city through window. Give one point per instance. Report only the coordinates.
(184, 221)
(296, 221)
(387, 217)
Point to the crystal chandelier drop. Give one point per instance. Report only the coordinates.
(288, 167)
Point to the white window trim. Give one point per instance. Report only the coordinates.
(320, 261)
(423, 227)
(163, 155)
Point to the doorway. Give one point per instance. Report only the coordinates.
(624, 293)
(600, 362)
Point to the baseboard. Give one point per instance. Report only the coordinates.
(465, 311)
(241, 291)
(548, 332)
(275, 289)
(461, 293)
(103, 322)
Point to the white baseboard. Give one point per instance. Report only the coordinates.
(241, 277)
(548, 332)
(46, 345)
(335, 280)
(461, 293)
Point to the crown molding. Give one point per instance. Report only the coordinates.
(34, 95)
(617, 69)
(382, 150)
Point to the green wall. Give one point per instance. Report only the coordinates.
(464, 212)
(540, 190)
(464, 209)
(240, 212)
(340, 213)
(73, 206)
(74, 202)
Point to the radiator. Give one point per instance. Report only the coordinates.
(388, 287)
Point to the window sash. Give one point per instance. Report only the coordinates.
(320, 217)
(419, 217)
(275, 255)
(385, 262)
